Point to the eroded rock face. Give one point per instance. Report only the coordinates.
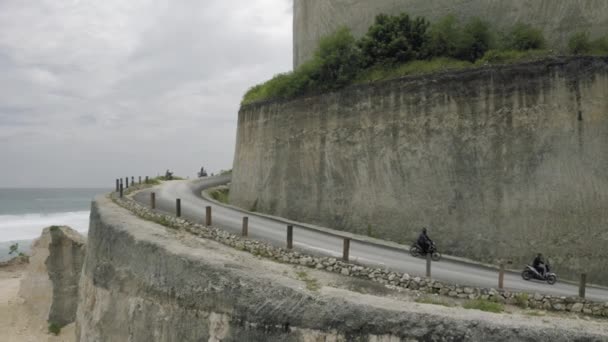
(50, 288)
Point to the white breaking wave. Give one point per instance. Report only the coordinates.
(30, 226)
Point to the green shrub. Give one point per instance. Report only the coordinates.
(220, 194)
(13, 249)
(580, 43)
(336, 63)
(484, 305)
(396, 46)
(600, 45)
(521, 300)
(54, 329)
(476, 40)
(394, 39)
(338, 60)
(445, 38)
(524, 37)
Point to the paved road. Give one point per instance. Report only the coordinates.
(193, 208)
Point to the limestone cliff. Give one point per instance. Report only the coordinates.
(499, 162)
(559, 19)
(50, 287)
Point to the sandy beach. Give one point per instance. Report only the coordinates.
(16, 324)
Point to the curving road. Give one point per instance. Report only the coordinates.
(320, 243)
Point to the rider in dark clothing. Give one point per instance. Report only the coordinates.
(539, 264)
(424, 241)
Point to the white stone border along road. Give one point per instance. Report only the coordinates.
(394, 280)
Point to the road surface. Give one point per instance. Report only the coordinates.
(320, 243)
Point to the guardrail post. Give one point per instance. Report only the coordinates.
(126, 182)
(245, 226)
(146, 179)
(139, 179)
(501, 276)
(581, 289)
(208, 216)
(153, 200)
(428, 265)
(290, 237)
(121, 190)
(117, 185)
(178, 207)
(346, 249)
(132, 180)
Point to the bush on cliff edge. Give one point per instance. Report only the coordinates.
(580, 43)
(337, 61)
(396, 46)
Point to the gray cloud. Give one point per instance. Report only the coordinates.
(94, 90)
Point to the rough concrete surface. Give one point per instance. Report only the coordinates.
(50, 285)
(144, 282)
(559, 19)
(499, 162)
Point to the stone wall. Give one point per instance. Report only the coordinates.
(144, 282)
(559, 19)
(499, 162)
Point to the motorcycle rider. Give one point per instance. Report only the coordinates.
(539, 264)
(424, 241)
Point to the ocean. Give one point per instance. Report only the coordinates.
(24, 213)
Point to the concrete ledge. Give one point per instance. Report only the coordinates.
(143, 281)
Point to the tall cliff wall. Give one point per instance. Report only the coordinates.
(144, 282)
(314, 19)
(498, 162)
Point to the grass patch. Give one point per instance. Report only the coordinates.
(511, 56)
(54, 329)
(484, 305)
(220, 194)
(418, 67)
(153, 181)
(311, 283)
(521, 300)
(434, 301)
(535, 313)
(421, 67)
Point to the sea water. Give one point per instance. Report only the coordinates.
(24, 213)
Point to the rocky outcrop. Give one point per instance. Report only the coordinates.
(145, 282)
(499, 162)
(50, 287)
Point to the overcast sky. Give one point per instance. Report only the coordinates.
(94, 90)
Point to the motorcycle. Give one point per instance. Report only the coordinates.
(416, 251)
(531, 273)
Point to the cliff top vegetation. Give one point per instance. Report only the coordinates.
(400, 45)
